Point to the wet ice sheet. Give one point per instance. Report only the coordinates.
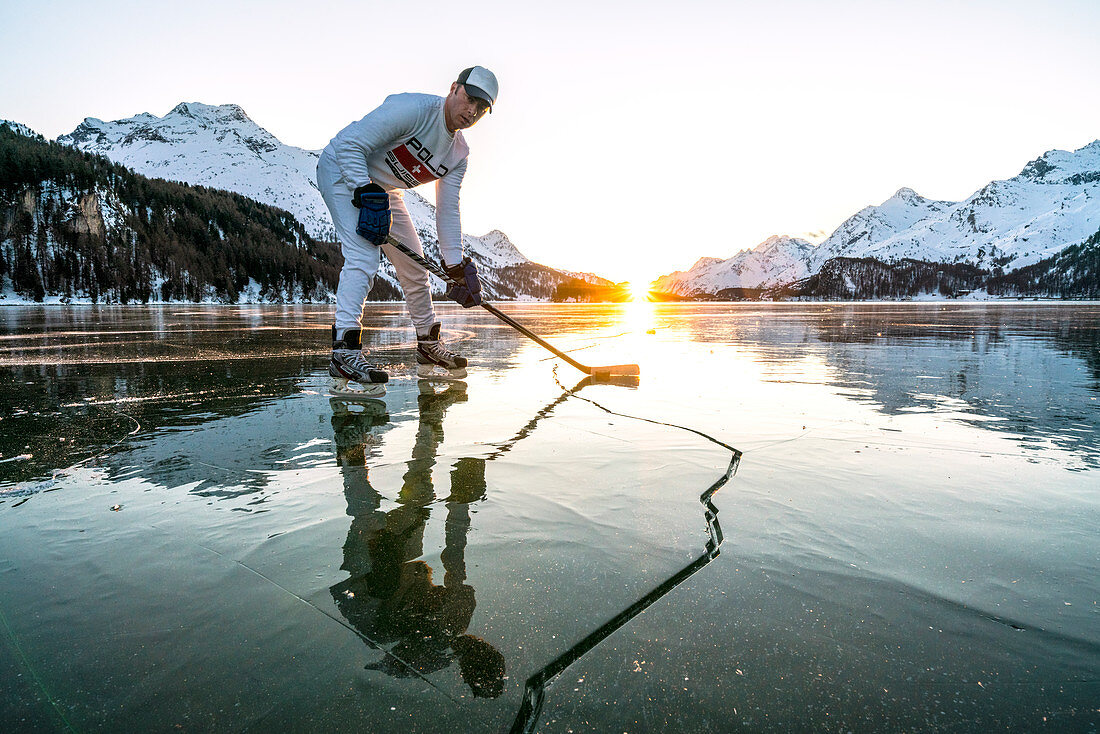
(901, 498)
(411, 531)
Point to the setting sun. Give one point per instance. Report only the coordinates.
(639, 290)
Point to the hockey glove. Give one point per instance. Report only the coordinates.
(374, 213)
(467, 288)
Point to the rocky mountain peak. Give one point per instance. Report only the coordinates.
(20, 128)
(1061, 166)
(217, 115)
(778, 241)
(181, 109)
(908, 196)
(500, 250)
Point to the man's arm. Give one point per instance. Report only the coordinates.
(448, 222)
(387, 123)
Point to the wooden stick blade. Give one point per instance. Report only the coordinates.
(615, 370)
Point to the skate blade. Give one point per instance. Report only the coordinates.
(359, 406)
(344, 389)
(441, 387)
(435, 372)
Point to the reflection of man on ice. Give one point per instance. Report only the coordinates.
(411, 139)
(391, 597)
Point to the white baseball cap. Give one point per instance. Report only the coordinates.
(480, 83)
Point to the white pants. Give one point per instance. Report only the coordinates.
(361, 258)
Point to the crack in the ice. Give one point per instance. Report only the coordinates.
(44, 485)
(34, 673)
(588, 346)
(534, 693)
(343, 623)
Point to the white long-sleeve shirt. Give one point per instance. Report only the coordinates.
(402, 144)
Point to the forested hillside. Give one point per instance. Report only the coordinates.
(847, 278)
(1072, 273)
(76, 225)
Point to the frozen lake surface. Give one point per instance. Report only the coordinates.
(194, 537)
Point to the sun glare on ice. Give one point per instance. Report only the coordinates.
(638, 315)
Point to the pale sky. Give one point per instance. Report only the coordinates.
(630, 138)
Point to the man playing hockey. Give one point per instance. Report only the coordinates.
(411, 139)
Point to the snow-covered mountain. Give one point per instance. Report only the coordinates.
(219, 146)
(1053, 203)
(20, 128)
(776, 260)
(861, 232)
(215, 146)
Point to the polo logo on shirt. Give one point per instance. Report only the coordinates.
(412, 163)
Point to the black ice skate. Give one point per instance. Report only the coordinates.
(434, 361)
(352, 375)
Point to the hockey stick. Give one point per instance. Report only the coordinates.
(602, 372)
